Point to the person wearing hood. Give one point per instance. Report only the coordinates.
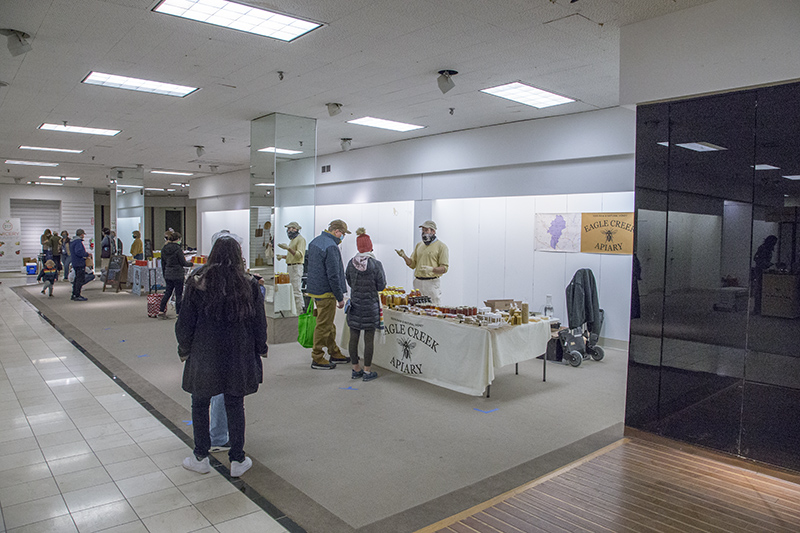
(366, 279)
(429, 260)
(295, 257)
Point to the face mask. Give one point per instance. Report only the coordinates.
(341, 238)
(292, 234)
(427, 238)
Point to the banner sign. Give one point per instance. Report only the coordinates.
(607, 233)
(10, 245)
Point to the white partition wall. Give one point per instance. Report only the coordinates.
(390, 226)
(236, 221)
(491, 242)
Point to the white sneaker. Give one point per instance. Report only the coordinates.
(201, 467)
(240, 467)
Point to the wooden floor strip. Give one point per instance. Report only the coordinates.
(639, 486)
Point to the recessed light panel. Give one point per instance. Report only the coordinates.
(766, 167)
(525, 94)
(796, 177)
(131, 186)
(701, 147)
(78, 129)
(238, 17)
(31, 163)
(265, 184)
(384, 124)
(43, 149)
(284, 151)
(171, 173)
(137, 84)
(45, 183)
(60, 178)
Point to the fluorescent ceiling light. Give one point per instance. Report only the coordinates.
(131, 186)
(171, 173)
(384, 124)
(43, 149)
(238, 17)
(284, 151)
(766, 167)
(796, 177)
(180, 184)
(31, 163)
(78, 129)
(701, 147)
(45, 183)
(137, 84)
(170, 190)
(525, 94)
(664, 143)
(60, 178)
(154, 189)
(265, 184)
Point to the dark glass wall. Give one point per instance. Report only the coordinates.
(716, 299)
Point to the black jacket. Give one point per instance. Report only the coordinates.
(365, 284)
(173, 261)
(223, 357)
(582, 304)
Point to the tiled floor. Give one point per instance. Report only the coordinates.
(78, 454)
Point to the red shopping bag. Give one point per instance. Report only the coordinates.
(153, 304)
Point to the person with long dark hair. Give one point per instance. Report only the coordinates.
(222, 336)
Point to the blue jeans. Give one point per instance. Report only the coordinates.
(234, 408)
(67, 260)
(219, 421)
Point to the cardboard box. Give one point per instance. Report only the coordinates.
(499, 305)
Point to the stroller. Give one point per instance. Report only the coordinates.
(579, 342)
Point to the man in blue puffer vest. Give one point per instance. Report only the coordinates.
(326, 285)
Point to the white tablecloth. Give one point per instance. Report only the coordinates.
(283, 300)
(458, 357)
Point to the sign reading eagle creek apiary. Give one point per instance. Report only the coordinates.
(409, 345)
(607, 233)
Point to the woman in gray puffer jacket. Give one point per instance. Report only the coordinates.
(172, 264)
(366, 279)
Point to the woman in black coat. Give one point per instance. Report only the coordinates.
(222, 336)
(172, 263)
(366, 279)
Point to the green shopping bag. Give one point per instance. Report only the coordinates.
(305, 327)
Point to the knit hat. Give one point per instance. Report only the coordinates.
(363, 242)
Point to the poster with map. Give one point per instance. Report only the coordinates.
(558, 232)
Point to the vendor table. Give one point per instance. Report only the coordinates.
(455, 356)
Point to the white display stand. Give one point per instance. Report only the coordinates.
(283, 299)
(455, 356)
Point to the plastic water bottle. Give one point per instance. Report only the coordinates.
(548, 306)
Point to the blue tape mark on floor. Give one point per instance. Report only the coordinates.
(143, 355)
(106, 329)
(123, 340)
(187, 422)
(348, 388)
(487, 412)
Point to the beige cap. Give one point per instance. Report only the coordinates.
(338, 224)
(429, 224)
(293, 225)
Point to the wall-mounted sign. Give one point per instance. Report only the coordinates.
(607, 233)
(10, 247)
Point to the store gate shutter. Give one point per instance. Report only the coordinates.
(34, 217)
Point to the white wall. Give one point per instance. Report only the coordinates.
(712, 47)
(224, 192)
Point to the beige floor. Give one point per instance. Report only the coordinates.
(79, 454)
(392, 455)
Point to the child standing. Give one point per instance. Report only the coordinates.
(49, 273)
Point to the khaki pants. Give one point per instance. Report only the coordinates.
(431, 288)
(296, 279)
(325, 332)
